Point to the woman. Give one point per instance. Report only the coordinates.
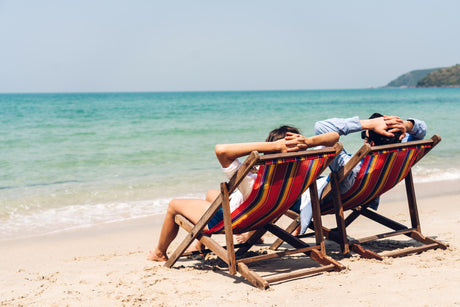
(228, 155)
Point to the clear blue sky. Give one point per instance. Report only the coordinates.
(147, 45)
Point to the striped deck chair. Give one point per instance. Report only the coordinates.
(281, 180)
(382, 168)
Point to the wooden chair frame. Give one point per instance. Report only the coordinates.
(233, 255)
(339, 234)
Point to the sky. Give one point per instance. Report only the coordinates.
(209, 45)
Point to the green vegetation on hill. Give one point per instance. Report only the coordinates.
(411, 78)
(443, 77)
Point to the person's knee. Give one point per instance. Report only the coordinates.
(172, 207)
(211, 195)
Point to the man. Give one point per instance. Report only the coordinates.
(376, 130)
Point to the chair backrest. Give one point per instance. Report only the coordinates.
(281, 180)
(381, 169)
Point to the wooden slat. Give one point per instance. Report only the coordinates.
(300, 273)
(277, 254)
(291, 214)
(205, 250)
(402, 145)
(409, 250)
(296, 154)
(382, 236)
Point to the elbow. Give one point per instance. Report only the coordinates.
(219, 149)
(321, 127)
(332, 138)
(223, 154)
(335, 136)
(318, 128)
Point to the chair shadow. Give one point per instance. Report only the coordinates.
(274, 266)
(265, 268)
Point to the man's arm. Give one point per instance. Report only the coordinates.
(417, 130)
(385, 125)
(342, 126)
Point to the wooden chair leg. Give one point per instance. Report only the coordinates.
(228, 228)
(338, 209)
(412, 202)
(317, 217)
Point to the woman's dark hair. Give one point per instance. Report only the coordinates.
(280, 133)
(379, 139)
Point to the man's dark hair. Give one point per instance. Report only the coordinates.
(379, 139)
(280, 133)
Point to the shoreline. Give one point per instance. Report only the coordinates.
(105, 265)
(422, 189)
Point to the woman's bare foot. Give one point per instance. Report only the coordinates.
(157, 255)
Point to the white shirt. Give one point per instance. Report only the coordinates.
(244, 188)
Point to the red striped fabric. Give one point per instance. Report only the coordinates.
(380, 171)
(278, 185)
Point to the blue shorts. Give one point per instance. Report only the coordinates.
(219, 216)
(296, 206)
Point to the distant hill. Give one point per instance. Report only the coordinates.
(411, 78)
(444, 77)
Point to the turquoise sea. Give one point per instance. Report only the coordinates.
(75, 160)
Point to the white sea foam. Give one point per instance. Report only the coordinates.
(20, 225)
(435, 174)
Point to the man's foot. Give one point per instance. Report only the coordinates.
(198, 248)
(243, 237)
(157, 255)
(296, 232)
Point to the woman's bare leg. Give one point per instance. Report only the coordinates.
(192, 209)
(211, 195)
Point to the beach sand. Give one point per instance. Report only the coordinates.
(106, 265)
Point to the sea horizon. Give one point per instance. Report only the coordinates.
(215, 91)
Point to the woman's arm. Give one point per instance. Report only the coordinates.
(296, 142)
(227, 153)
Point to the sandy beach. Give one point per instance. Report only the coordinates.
(106, 265)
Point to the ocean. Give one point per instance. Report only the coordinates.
(73, 160)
